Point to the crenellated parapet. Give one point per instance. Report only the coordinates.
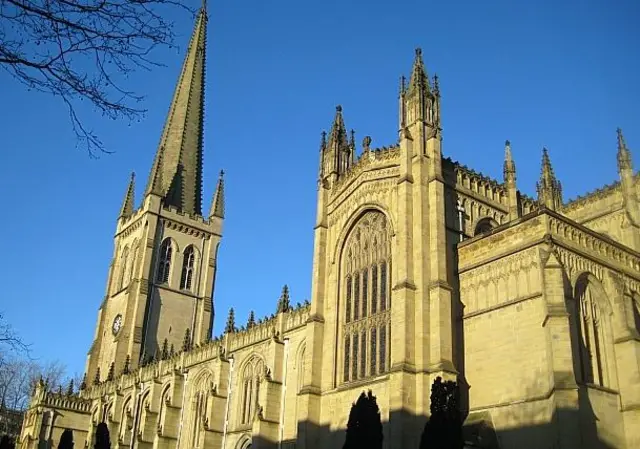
(269, 327)
(478, 183)
(593, 196)
(63, 401)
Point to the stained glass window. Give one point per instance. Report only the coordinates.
(347, 354)
(383, 349)
(354, 368)
(348, 305)
(374, 289)
(373, 352)
(356, 296)
(365, 285)
(383, 286)
(363, 356)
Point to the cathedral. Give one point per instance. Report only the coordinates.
(422, 268)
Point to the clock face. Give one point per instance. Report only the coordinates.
(117, 324)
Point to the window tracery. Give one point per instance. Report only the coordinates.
(250, 386)
(187, 268)
(164, 267)
(365, 283)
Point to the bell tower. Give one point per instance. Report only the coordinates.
(161, 278)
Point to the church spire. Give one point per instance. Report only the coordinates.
(176, 174)
(217, 204)
(128, 204)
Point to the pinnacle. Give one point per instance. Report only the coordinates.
(624, 155)
(128, 204)
(338, 134)
(419, 78)
(217, 203)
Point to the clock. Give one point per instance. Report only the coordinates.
(117, 324)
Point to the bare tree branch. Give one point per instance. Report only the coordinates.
(9, 339)
(85, 50)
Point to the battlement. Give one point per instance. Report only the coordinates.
(66, 402)
(269, 327)
(582, 200)
(479, 183)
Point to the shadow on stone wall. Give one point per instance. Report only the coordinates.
(567, 429)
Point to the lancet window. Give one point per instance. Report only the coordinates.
(187, 268)
(250, 389)
(164, 267)
(124, 263)
(365, 298)
(592, 342)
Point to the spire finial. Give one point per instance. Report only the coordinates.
(217, 203)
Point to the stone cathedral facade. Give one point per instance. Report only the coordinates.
(421, 268)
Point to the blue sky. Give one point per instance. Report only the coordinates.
(561, 74)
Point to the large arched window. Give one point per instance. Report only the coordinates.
(592, 325)
(187, 268)
(365, 295)
(250, 389)
(164, 266)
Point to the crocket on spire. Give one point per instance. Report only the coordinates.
(176, 174)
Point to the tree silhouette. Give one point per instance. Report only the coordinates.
(364, 429)
(102, 437)
(7, 442)
(85, 50)
(66, 439)
(444, 428)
